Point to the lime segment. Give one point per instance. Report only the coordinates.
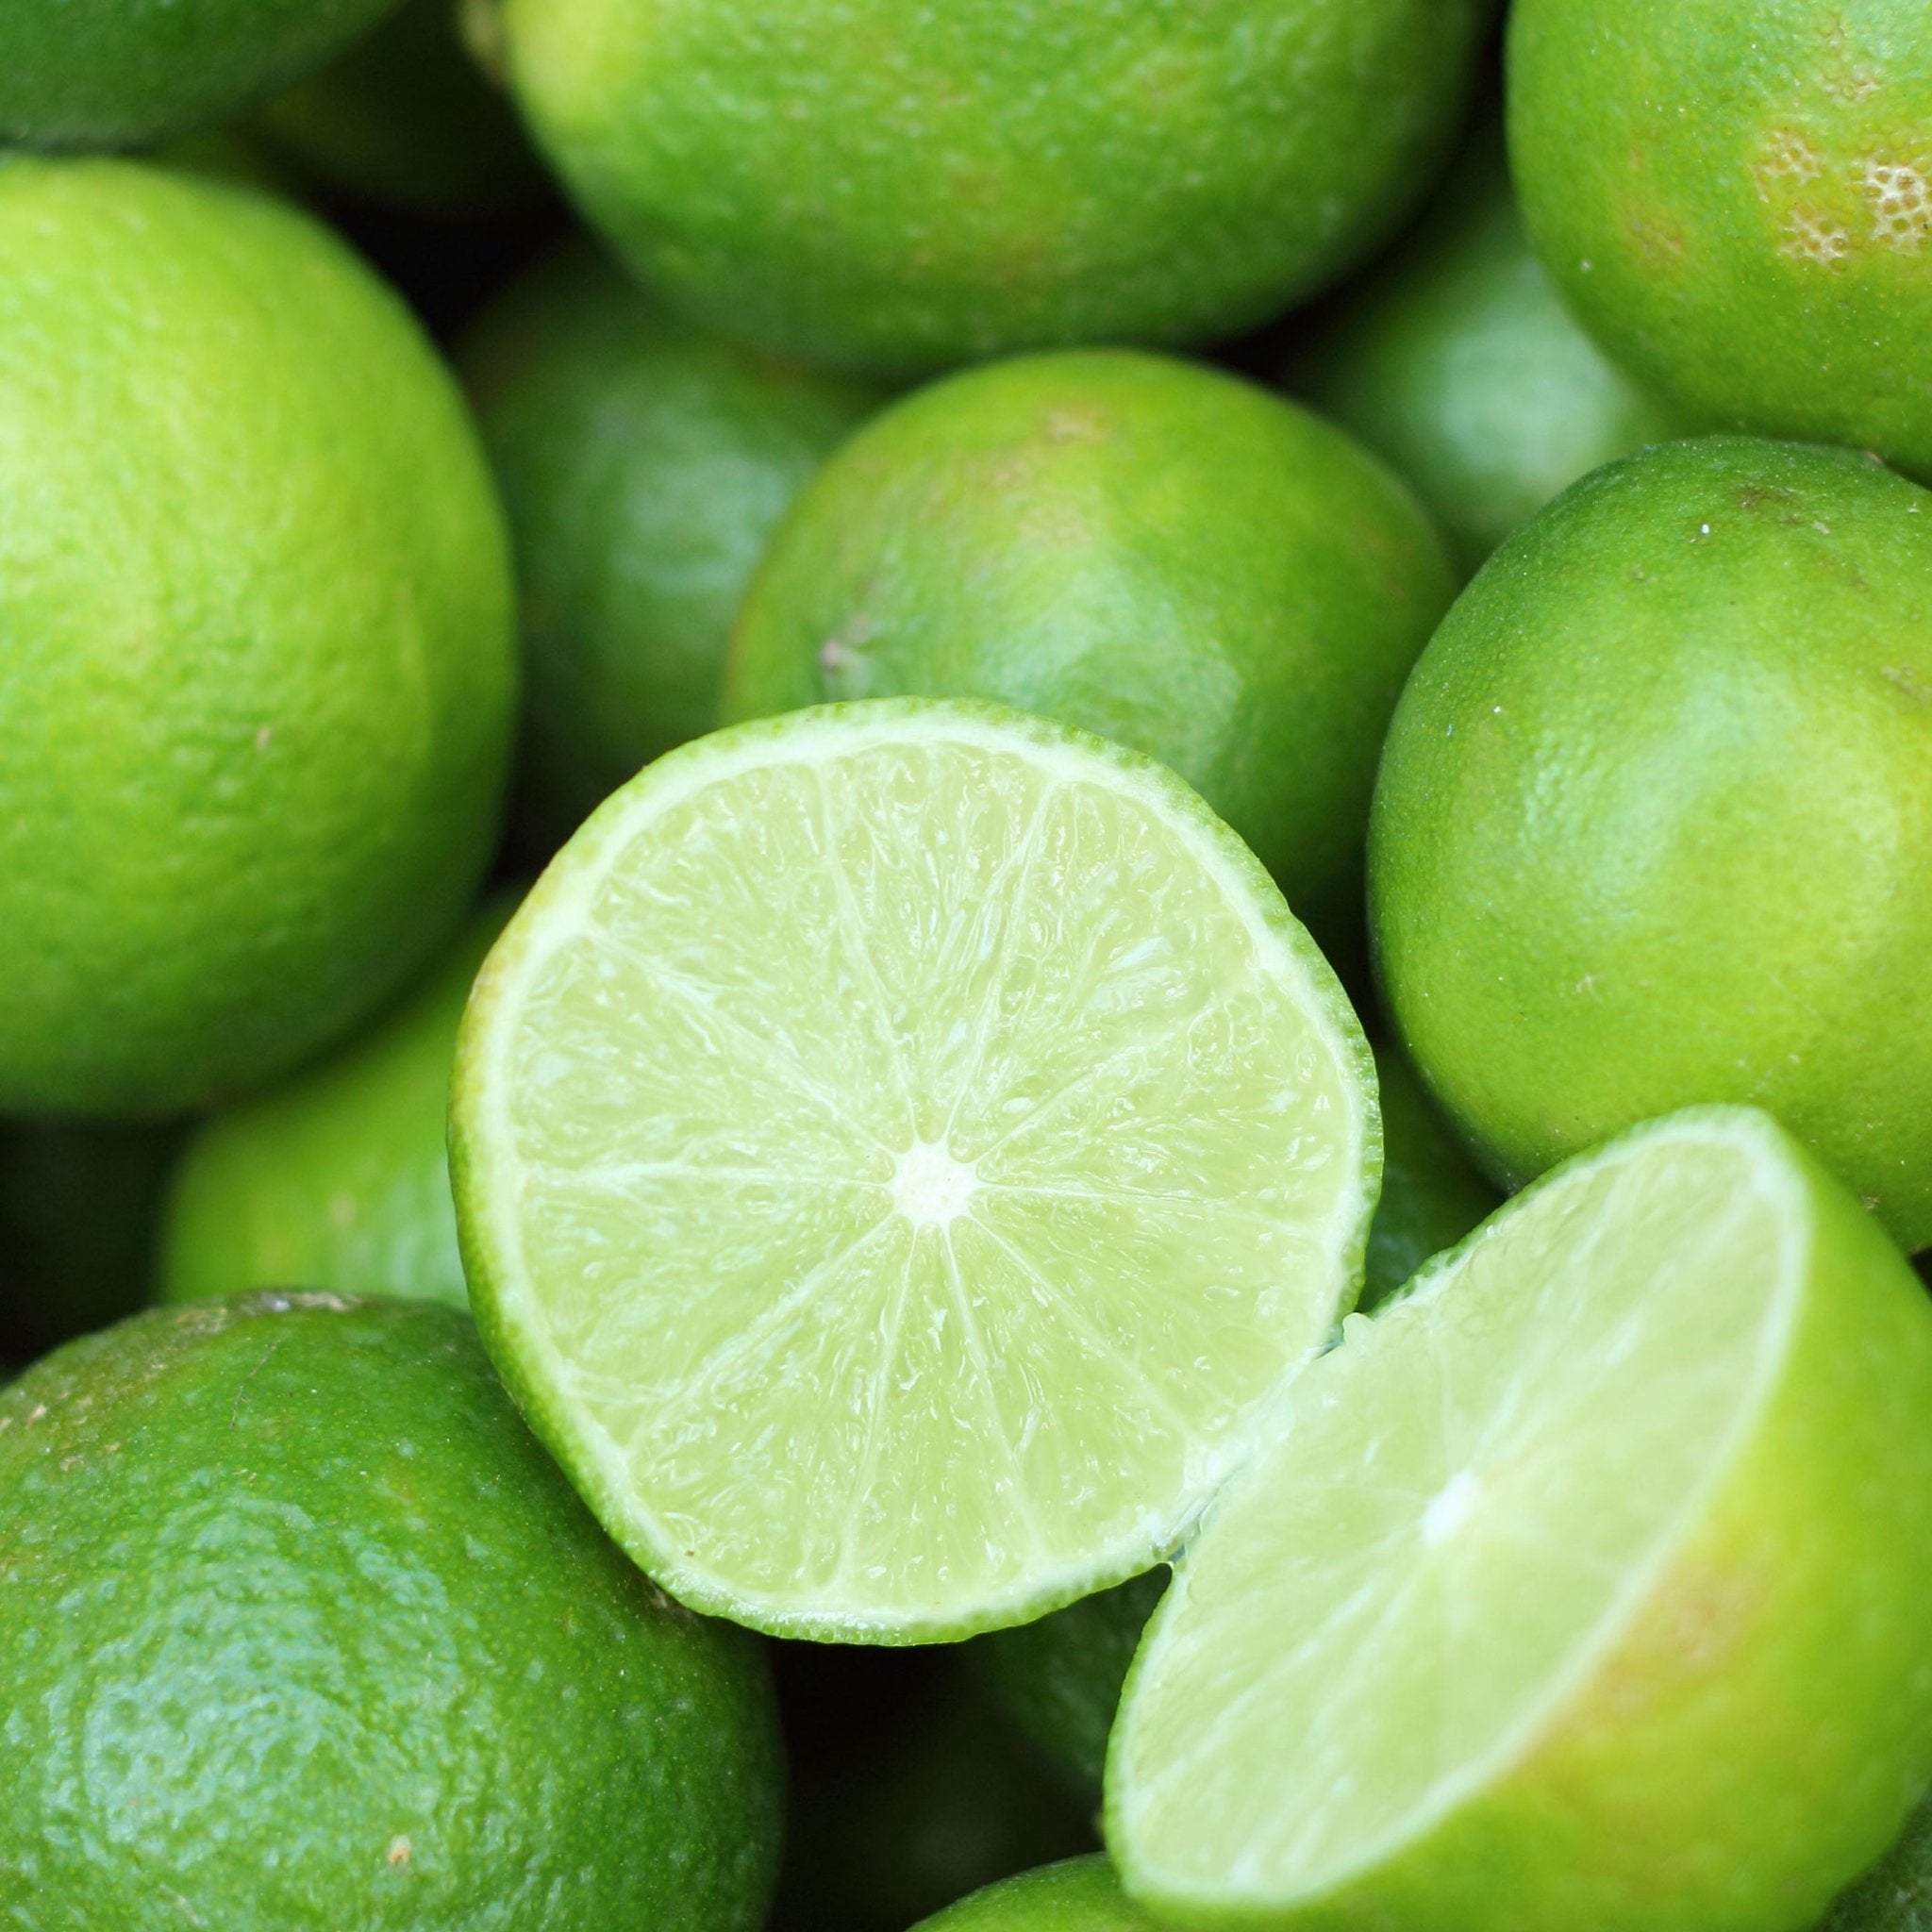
(900, 1149)
(1567, 1578)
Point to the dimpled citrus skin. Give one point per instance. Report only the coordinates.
(110, 73)
(1146, 547)
(898, 185)
(303, 1629)
(1654, 824)
(256, 640)
(1735, 196)
(643, 463)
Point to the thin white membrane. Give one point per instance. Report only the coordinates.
(922, 1162)
(1463, 1505)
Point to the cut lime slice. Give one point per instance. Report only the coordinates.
(1584, 1588)
(900, 1150)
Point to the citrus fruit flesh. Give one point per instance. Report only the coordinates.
(1143, 546)
(899, 1150)
(1075, 1896)
(1736, 198)
(1587, 1577)
(1653, 822)
(117, 73)
(959, 181)
(338, 1177)
(259, 665)
(1459, 364)
(304, 1629)
(644, 464)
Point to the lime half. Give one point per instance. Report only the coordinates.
(900, 1149)
(1582, 1587)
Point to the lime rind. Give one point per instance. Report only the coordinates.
(1243, 1892)
(554, 1392)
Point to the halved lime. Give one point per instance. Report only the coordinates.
(900, 1150)
(1582, 1588)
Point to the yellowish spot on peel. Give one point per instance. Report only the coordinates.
(399, 1851)
(1788, 155)
(1900, 193)
(1811, 236)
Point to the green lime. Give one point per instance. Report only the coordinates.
(900, 1150)
(258, 663)
(897, 190)
(303, 1629)
(405, 116)
(1431, 1196)
(644, 464)
(1076, 1896)
(1148, 548)
(1655, 819)
(1458, 362)
(338, 1177)
(1895, 1895)
(79, 1208)
(1737, 199)
(116, 73)
(1587, 1578)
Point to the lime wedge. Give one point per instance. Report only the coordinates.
(900, 1151)
(1583, 1587)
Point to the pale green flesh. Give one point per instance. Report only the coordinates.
(911, 1160)
(1465, 1504)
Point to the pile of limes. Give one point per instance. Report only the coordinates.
(803, 804)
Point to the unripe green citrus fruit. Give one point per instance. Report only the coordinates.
(1737, 199)
(1146, 548)
(1076, 1896)
(898, 185)
(115, 73)
(1655, 819)
(256, 658)
(303, 1629)
(643, 463)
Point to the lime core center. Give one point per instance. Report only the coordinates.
(930, 1187)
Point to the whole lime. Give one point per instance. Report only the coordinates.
(256, 658)
(1737, 198)
(1895, 1895)
(115, 73)
(897, 187)
(303, 1629)
(1076, 1896)
(1458, 362)
(1163, 553)
(642, 463)
(1655, 819)
(338, 1177)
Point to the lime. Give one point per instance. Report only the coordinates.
(1655, 819)
(897, 190)
(303, 1629)
(338, 1177)
(1587, 1578)
(256, 640)
(1737, 198)
(900, 1149)
(404, 117)
(1458, 362)
(79, 1207)
(1076, 1896)
(115, 73)
(1158, 552)
(1895, 1895)
(643, 463)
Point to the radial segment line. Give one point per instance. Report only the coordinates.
(881, 1381)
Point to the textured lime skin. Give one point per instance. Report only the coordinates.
(1077, 1896)
(256, 640)
(1895, 1895)
(406, 117)
(115, 73)
(900, 185)
(1761, 1725)
(338, 1177)
(304, 1629)
(1655, 819)
(642, 463)
(1459, 364)
(1145, 547)
(1737, 199)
